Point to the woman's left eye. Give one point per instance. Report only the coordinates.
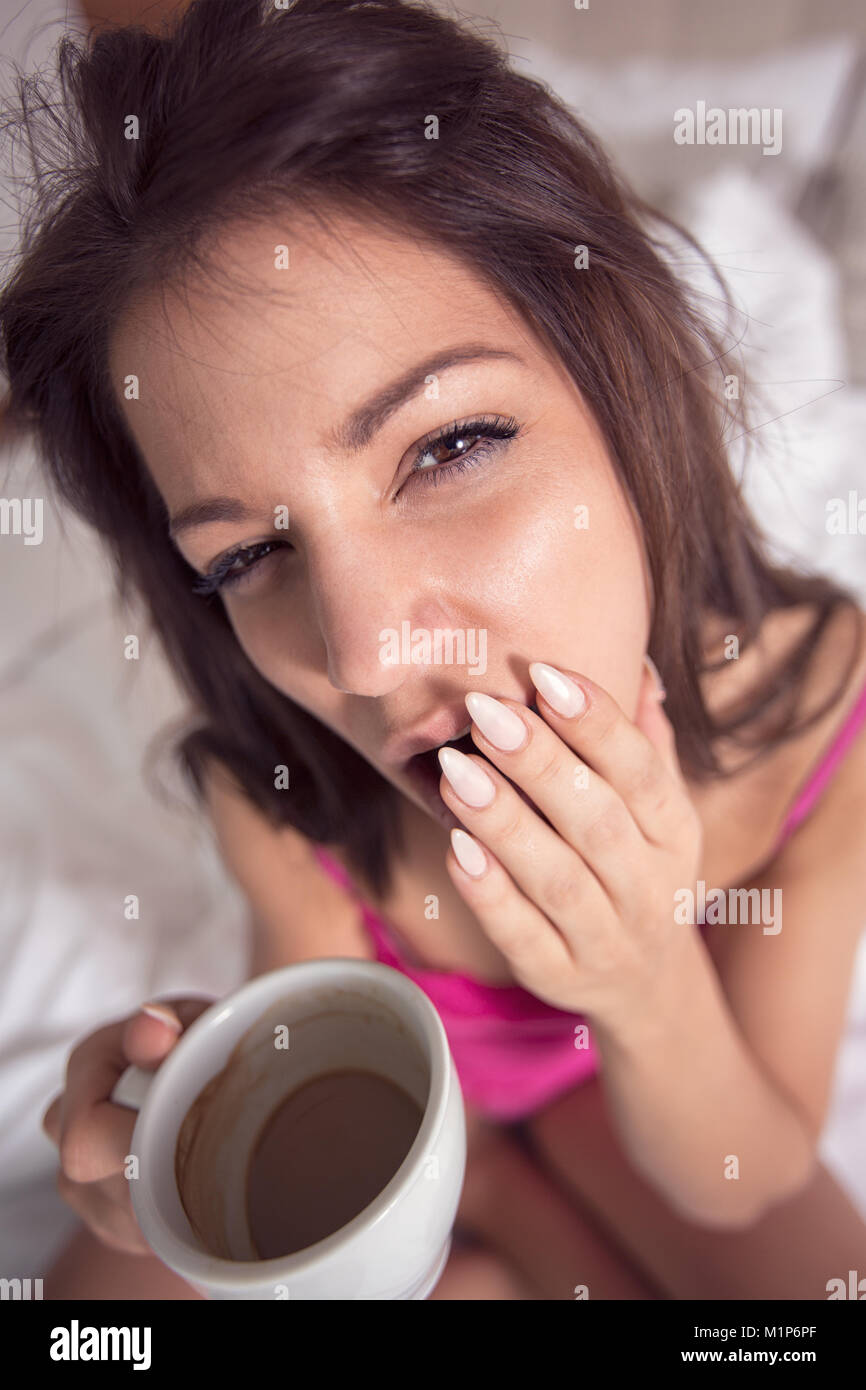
(471, 442)
(460, 439)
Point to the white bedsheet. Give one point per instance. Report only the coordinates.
(80, 830)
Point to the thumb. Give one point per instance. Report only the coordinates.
(155, 1029)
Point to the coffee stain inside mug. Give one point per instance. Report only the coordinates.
(323, 1155)
(324, 1152)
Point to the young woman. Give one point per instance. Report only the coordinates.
(381, 390)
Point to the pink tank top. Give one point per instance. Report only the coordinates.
(808, 795)
(513, 1052)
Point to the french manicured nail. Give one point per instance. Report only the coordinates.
(470, 855)
(471, 784)
(164, 1013)
(653, 670)
(501, 725)
(560, 691)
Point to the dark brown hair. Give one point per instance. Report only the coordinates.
(245, 109)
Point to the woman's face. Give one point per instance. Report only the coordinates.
(383, 574)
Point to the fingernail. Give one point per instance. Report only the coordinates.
(164, 1013)
(501, 725)
(653, 670)
(560, 691)
(470, 856)
(471, 784)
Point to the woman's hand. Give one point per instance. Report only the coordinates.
(93, 1135)
(579, 898)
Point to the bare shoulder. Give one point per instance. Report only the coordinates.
(836, 826)
(752, 807)
(297, 910)
(778, 979)
(743, 814)
(235, 816)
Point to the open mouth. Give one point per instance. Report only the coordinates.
(425, 773)
(426, 768)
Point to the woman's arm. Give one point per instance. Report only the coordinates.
(696, 1113)
(718, 1083)
(297, 913)
(721, 1097)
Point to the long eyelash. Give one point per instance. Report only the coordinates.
(485, 427)
(219, 577)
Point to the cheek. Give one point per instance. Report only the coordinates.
(290, 660)
(560, 540)
(287, 651)
(561, 579)
(274, 640)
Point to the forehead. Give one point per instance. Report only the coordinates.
(296, 305)
(247, 374)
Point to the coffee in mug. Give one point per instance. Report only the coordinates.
(323, 1155)
(333, 1073)
(285, 1146)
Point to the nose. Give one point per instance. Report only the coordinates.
(366, 597)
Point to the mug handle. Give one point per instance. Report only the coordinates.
(132, 1087)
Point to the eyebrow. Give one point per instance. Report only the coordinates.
(356, 431)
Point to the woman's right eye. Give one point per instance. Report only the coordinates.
(229, 573)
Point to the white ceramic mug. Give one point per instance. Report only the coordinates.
(340, 1013)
